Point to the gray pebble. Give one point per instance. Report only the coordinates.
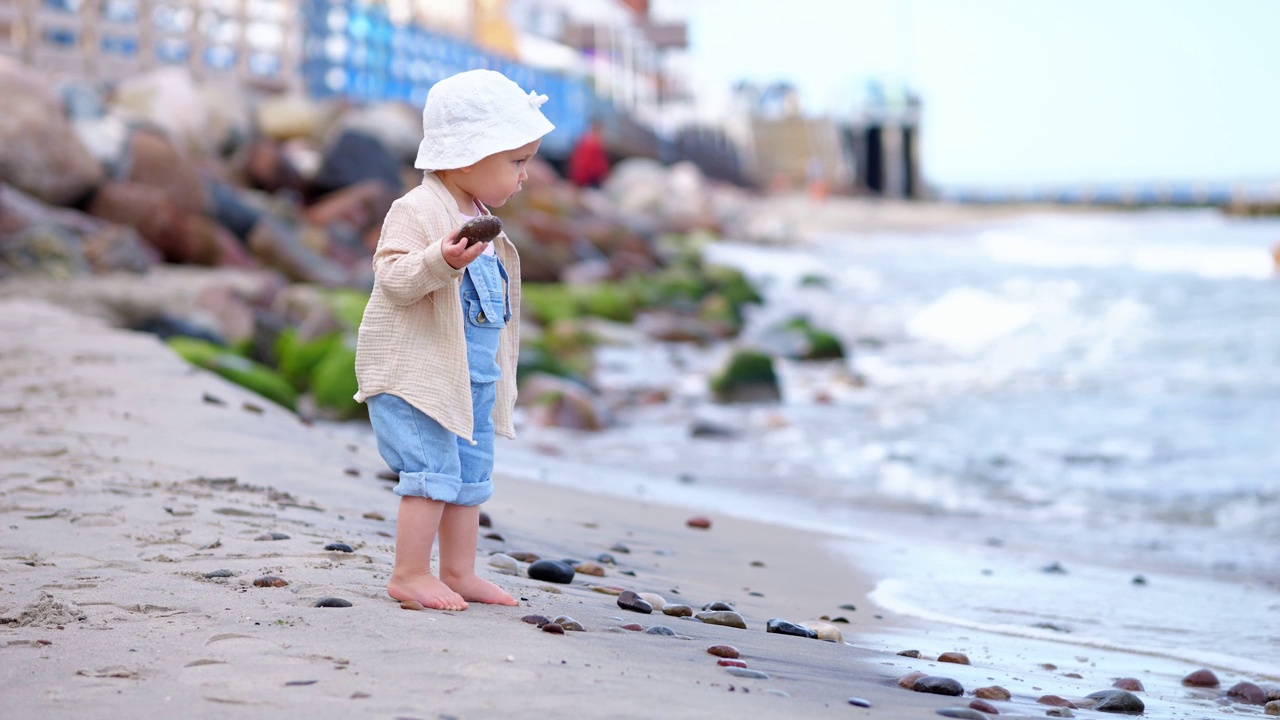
(859, 702)
(339, 547)
(963, 712)
(747, 673)
(218, 574)
(332, 602)
(660, 630)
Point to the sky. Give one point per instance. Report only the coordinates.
(1020, 93)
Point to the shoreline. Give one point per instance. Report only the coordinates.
(116, 486)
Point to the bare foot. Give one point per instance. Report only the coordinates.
(426, 589)
(474, 589)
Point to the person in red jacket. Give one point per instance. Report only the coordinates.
(589, 163)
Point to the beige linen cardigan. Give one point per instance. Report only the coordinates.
(411, 340)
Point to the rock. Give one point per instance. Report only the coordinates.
(553, 628)
(633, 627)
(504, 563)
(724, 651)
(783, 627)
(270, 581)
(538, 620)
(272, 536)
(983, 706)
(992, 692)
(910, 653)
(372, 515)
(1117, 701)
(606, 559)
(219, 574)
(746, 376)
(1247, 693)
(709, 429)
(525, 557)
(411, 605)
(730, 662)
(1131, 684)
(1273, 707)
(958, 658)
(608, 589)
(1056, 701)
(588, 568)
(701, 522)
(551, 571)
(826, 631)
(747, 673)
(660, 630)
(339, 547)
(717, 606)
(1203, 677)
(937, 685)
(629, 600)
(568, 623)
(485, 521)
(722, 617)
(908, 681)
(333, 602)
(620, 548)
(962, 712)
(656, 601)
(677, 610)
(859, 702)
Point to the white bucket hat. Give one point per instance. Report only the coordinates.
(474, 114)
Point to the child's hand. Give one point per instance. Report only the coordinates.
(456, 252)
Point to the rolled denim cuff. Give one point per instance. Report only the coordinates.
(474, 493)
(433, 486)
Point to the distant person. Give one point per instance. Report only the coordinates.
(436, 354)
(589, 163)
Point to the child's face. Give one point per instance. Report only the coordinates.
(496, 178)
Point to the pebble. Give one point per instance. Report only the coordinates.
(722, 617)
(589, 568)
(910, 653)
(908, 681)
(606, 559)
(677, 610)
(620, 548)
(859, 702)
(782, 627)
(607, 589)
(494, 536)
(1203, 677)
(485, 521)
(270, 581)
(371, 515)
(1247, 693)
(1056, 701)
(553, 628)
(958, 658)
(660, 630)
(724, 651)
(730, 662)
(702, 522)
(1117, 701)
(1059, 712)
(983, 706)
(629, 600)
(1131, 684)
(938, 685)
(962, 712)
(825, 630)
(1055, 568)
(747, 673)
(717, 606)
(339, 547)
(551, 571)
(776, 691)
(504, 563)
(218, 574)
(849, 606)
(538, 620)
(525, 557)
(1273, 707)
(633, 627)
(332, 602)
(992, 692)
(656, 601)
(411, 605)
(569, 624)
(272, 536)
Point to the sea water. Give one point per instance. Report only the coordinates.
(1060, 427)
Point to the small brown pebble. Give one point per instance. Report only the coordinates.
(1247, 693)
(270, 581)
(589, 568)
(411, 605)
(702, 522)
(724, 651)
(371, 515)
(1203, 677)
(1131, 684)
(272, 536)
(553, 628)
(253, 408)
(1073, 675)
(730, 662)
(757, 563)
(992, 692)
(909, 681)
(525, 557)
(485, 521)
(984, 706)
(538, 620)
(353, 472)
(958, 658)
(1056, 701)
(44, 642)
(494, 536)
(634, 627)
(606, 589)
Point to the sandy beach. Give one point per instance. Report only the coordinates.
(139, 499)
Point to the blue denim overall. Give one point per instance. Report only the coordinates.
(431, 461)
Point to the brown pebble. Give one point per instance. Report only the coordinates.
(702, 522)
(353, 472)
(730, 662)
(538, 620)
(371, 515)
(553, 628)
(958, 658)
(485, 521)
(1073, 675)
(984, 706)
(1056, 701)
(270, 581)
(992, 692)
(635, 627)
(1130, 684)
(1247, 693)
(607, 589)
(588, 568)
(724, 651)
(525, 557)
(1203, 677)
(495, 536)
(909, 681)
(411, 605)
(757, 563)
